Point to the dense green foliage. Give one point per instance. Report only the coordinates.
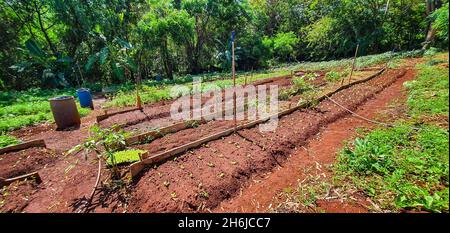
(440, 18)
(6, 140)
(402, 167)
(406, 166)
(62, 43)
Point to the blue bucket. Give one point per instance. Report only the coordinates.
(84, 95)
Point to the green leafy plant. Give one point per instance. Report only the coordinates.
(126, 156)
(440, 23)
(193, 124)
(333, 76)
(300, 84)
(406, 166)
(402, 167)
(6, 140)
(429, 92)
(310, 76)
(285, 94)
(114, 58)
(103, 143)
(53, 68)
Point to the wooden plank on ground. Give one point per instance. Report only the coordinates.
(108, 115)
(23, 146)
(137, 167)
(33, 175)
(157, 133)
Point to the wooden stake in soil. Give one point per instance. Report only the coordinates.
(353, 64)
(138, 85)
(233, 73)
(33, 175)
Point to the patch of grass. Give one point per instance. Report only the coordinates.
(20, 115)
(25, 108)
(6, 140)
(126, 156)
(406, 166)
(333, 76)
(31, 95)
(431, 51)
(401, 167)
(429, 93)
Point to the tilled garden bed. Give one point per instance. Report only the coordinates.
(202, 178)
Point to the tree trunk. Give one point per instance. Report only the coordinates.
(431, 5)
(167, 63)
(44, 30)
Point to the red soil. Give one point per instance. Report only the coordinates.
(57, 140)
(200, 180)
(25, 161)
(16, 196)
(195, 181)
(319, 153)
(161, 110)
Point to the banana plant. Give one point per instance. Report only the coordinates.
(53, 68)
(114, 56)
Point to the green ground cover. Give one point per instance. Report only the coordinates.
(406, 166)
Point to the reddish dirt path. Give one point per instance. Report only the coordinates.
(317, 155)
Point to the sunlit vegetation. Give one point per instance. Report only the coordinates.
(6, 140)
(407, 166)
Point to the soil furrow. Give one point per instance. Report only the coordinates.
(202, 179)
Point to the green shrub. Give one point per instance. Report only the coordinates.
(6, 140)
(285, 94)
(431, 51)
(440, 23)
(333, 76)
(310, 76)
